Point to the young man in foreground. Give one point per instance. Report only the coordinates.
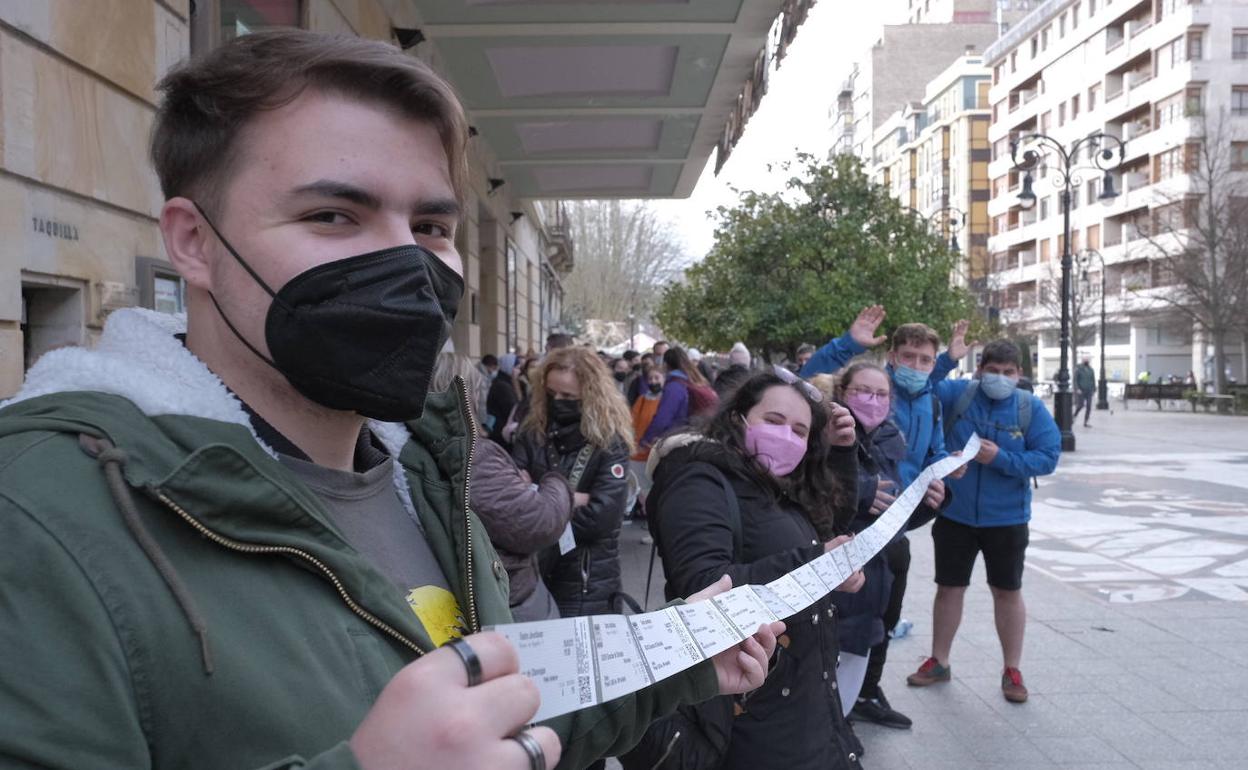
(239, 539)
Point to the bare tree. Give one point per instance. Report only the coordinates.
(1199, 238)
(625, 254)
(1083, 306)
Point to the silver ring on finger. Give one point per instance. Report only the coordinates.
(472, 664)
(531, 746)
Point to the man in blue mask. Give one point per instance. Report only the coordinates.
(990, 507)
(913, 365)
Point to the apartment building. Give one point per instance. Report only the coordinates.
(1005, 12)
(933, 156)
(574, 99)
(893, 73)
(1144, 71)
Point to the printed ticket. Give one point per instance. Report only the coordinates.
(580, 662)
(744, 609)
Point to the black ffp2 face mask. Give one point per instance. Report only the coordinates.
(360, 334)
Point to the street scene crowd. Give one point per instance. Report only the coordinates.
(271, 532)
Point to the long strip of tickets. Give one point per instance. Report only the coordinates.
(580, 662)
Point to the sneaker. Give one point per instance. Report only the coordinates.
(879, 711)
(1012, 686)
(930, 672)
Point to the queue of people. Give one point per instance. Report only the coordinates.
(271, 506)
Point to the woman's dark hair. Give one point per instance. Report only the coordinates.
(676, 359)
(811, 485)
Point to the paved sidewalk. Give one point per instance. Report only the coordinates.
(1137, 639)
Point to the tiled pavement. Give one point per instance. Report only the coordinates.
(1143, 666)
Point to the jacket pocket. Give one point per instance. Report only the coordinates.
(369, 660)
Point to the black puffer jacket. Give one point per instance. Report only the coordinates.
(584, 579)
(794, 720)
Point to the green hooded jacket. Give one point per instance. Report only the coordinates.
(172, 596)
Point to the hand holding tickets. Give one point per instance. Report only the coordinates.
(579, 662)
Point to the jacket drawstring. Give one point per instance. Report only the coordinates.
(112, 459)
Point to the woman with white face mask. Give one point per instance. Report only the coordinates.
(752, 496)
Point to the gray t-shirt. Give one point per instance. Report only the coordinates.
(367, 510)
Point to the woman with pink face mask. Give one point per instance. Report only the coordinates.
(752, 495)
(867, 617)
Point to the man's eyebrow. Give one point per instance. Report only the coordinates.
(438, 207)
(328, 188)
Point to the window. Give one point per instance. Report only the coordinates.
(1014, 61)
(1061, 26)
(1239, 101)
(1074, 106)
(1094, 236)
(1093, 93)
(1074, 16)
(1091, 7)
(216, 22)
(1061, 114)
(1195, 101)
(1045, 120)
(1044, 208)
(1195, 46)
(1045, 246)
(160, 286)
(1239, 44)
(1035, 46)
(1239, 156)
(1044, 38)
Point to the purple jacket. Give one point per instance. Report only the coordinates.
(673, 408)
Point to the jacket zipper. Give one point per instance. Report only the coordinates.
(241, 547)
(474, 622)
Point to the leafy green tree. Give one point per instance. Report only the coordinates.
(798, 266)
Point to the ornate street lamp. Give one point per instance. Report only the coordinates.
(1103, 152)
(1085, 261)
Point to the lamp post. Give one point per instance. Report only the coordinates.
(954, 221)
(1085, 260)
(1027, 152)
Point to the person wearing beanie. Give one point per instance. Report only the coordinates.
(738, 372)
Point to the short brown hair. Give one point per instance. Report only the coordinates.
(209, 100)
(915, 334)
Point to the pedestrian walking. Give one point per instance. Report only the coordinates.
(1085, 386)
(751, 495)
(990, 509)
(240, 537)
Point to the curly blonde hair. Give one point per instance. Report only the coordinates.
(604, 412)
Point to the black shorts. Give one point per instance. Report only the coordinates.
(957, 544)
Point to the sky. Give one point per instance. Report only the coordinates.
(793, 115)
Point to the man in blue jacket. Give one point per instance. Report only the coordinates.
(990, 508)
(913, 366)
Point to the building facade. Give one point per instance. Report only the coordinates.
(1148, 72)
(933, 156)
(567, 100)
(894, 73)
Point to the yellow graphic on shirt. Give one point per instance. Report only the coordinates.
(438, 611)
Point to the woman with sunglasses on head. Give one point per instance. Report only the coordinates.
(751, 495)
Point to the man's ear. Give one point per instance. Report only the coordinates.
(187, 241)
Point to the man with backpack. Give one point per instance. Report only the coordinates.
(990, 508)
(913, 365)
